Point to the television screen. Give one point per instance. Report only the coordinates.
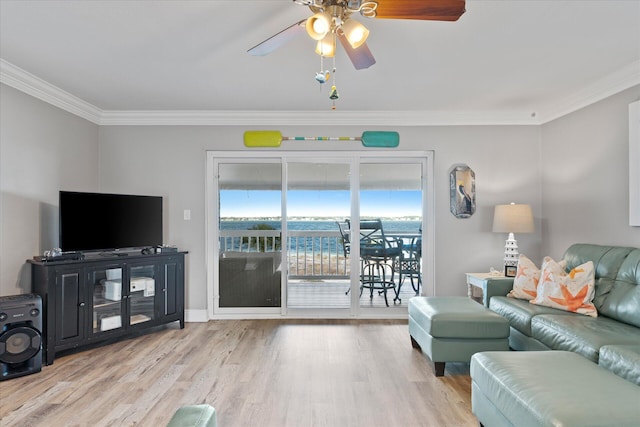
(99, 221)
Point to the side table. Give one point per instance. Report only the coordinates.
(477, 285)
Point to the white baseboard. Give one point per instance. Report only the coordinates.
(195, 316)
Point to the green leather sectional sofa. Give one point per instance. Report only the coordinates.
(587, 369)
(617, 284)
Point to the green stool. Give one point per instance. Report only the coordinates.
(194, 416)
(452, 329)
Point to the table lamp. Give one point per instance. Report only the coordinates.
(512, 218)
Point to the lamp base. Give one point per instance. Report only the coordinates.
(511, 256)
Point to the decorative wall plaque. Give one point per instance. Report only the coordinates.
(462, 191)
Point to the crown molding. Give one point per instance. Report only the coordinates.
(611, 84)
(26, 82)
(311, 118)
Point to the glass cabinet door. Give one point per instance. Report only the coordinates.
(142, 293)
(107, 308)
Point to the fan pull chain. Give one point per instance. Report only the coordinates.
(322, 76)
(334, 91)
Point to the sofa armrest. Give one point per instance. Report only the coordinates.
(496, 286)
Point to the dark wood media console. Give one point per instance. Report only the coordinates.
(105, 297)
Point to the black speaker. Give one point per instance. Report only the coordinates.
(20, 335)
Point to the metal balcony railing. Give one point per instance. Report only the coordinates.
(310, 254)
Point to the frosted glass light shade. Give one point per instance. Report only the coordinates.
(326, 46)
(355, 32)
(318, 25)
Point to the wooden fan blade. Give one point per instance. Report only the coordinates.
(360, 57)
(277, 40)
(430, 10)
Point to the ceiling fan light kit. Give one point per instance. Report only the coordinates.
(332, 20)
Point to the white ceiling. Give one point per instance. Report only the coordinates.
(529, 58)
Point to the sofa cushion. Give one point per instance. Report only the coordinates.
(622, 302)
(573, 291)
(622, 360)
(607, 261)
(519, 312)
(582, 334)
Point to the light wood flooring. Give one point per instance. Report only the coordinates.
(332, 294)
(254, 372)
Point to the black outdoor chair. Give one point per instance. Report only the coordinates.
(379, 257)
(344, 233)
(409, 264)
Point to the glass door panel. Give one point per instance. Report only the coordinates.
(142, 293)
(250, 234)
(318, 200)
(107, 307)
(391, 233)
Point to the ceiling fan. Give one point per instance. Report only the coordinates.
(332, 20)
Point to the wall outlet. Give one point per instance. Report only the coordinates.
(187, 214)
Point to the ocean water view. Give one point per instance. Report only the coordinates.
(390, 225)
(311, 244)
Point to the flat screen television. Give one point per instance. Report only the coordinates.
(106, 222)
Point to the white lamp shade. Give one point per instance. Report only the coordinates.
(513, 218)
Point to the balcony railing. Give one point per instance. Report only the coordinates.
(310, 254)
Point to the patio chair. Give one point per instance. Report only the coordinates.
(380, 256)
(344, 233)
(409, 264)
(344, 227)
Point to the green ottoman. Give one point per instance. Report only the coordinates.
(452, 329)
(549, 388)
(194, 416)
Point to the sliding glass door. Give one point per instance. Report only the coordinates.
(318, 199)
(290, 234)
(249, 236)
(391, 201)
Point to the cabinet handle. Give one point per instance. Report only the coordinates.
(81, 304)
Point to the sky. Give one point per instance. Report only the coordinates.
(325, 203)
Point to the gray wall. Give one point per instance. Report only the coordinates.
(42, 150)
(585, 176)
(170, 161)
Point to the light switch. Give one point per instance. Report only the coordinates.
(187, 214)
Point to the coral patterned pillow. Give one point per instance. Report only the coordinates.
(573, 291)
(525, 284)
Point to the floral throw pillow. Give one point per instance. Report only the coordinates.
(525, 284)
(572, 291)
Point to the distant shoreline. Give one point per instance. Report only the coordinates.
(384, 218)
